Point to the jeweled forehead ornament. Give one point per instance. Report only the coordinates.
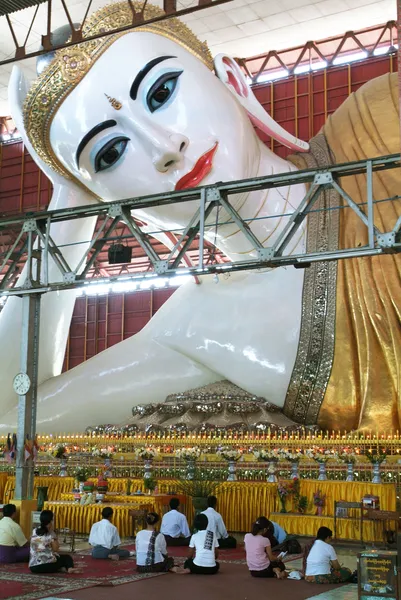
(114, 103)
(71, 65)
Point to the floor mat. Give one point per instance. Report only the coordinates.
(18, 583)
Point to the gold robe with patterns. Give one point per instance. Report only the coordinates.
(364, 385)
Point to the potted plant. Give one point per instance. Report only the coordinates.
(231, 455)
(319, 501)
(283, 492)
(270, 456)
(60, 452)
(190, 455)
(302, 504)
(198, 489)
(293, 458)
(376, 457)
(149, 484)
(81, 475)
(348, 457)
(321, 456)
(147, 454)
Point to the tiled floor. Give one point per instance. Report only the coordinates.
(347, 555)
(347, 592)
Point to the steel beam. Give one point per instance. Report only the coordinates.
(76, 34)
(26, 425)
(207, 199)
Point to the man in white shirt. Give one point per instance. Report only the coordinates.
(174, 526)
(216, 524)
(105, 540)
(14, 546)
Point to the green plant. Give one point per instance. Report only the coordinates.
(302, 504)
(376, 456)
(149, 484)
(198, 487)
(59, 451)
(82, 474)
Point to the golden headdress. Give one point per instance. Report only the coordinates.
(71, 65)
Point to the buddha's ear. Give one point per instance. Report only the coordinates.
(18, 88)
(65, 193)
(230, 74)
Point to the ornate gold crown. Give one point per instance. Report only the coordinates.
(71, 65)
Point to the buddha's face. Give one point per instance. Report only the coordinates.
(178, 126)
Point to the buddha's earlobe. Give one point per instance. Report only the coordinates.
(230, 74)
(18, 88)
(65, 193)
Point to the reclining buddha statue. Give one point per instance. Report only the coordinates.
(149, 111)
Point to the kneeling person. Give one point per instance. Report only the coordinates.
(216, 524)
(105, 540)
(174, 526)
(203, 549)
(151, 549)
(14, 546)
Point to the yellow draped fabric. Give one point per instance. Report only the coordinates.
(348, 492)
(240, 502)
(347, 529)
(81, 518)
(56, 486)
(156, 503)
(3, 482)
(364, 390)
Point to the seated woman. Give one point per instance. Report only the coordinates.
(14, 546)
(259, 556)
(320, 561)
(203, 549)
(151, 549)
(44, 557)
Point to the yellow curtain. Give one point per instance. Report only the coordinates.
(3, 482)
(56, 485)
(346, 491)
(240, 503)
(348, 529)
(81, 518)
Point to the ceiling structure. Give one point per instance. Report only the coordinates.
(241, 28)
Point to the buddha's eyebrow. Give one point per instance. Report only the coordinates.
(91, 134)
(143, 72)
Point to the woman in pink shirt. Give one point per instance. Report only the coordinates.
(259, 556)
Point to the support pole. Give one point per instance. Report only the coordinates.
(27, 403)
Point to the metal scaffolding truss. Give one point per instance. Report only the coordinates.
(35, 245)
(326, 53)
(172, 8)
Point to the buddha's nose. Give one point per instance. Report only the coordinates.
(169, 152)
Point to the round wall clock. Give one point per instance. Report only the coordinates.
(21, 384)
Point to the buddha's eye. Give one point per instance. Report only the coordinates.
(162, 90)
(110, 153)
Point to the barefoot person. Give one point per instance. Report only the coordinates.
(321, 563)
(14, 546)
(44, 557)
(203, 549)
(151, 549)
(174, 526)
(105, 540)
(259, 556)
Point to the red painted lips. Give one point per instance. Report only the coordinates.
(202, 168)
